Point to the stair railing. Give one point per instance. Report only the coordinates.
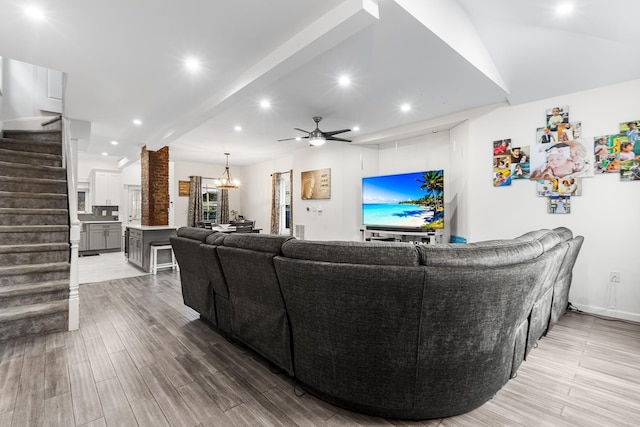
(69, 161)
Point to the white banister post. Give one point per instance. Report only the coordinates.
(74, 231)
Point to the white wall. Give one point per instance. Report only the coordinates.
(421, 153)
(606, 213)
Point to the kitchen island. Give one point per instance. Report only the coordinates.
(138, 240)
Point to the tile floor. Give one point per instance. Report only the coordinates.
(106, 266)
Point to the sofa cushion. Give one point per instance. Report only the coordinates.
(257, 242)
(193, 233)
(483, 254)
(374, 253)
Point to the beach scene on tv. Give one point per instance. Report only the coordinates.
(411, 200)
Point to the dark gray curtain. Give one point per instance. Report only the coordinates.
(195, 201)
(275, 203)
(223, 207)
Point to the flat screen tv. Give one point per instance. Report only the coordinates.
(411, 201)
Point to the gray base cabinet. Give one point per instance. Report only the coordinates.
(139, 244)
(97, 237)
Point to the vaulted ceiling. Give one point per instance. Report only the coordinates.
(447, 59)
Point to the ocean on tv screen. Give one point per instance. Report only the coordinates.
(412, 200)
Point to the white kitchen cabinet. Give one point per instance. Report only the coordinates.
(105, 188)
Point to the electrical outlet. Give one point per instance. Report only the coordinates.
(614, 276)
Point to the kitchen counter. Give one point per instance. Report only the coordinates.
(100, 222)
(152, 227)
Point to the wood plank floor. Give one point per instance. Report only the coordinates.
(142, 358)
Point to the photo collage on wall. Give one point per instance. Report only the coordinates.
(509, 162)
(560, 158)
(619, 153)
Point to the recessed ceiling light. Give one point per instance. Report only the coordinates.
(192, 64)
(265, 103)
(344, 80)
(356, 128)
(237, 128)
(34, 13)
(105, 154)
(137, 122)
(298, 138)
(564, 8)
(405, 107)
(114, 142)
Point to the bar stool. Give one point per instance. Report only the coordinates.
(160, 246)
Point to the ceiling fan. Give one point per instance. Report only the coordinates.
(318, 137)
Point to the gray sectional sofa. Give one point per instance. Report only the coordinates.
(387, 329)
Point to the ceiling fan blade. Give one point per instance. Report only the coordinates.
(302, 130)
(297, 137)
(333, 138)
(335, 132)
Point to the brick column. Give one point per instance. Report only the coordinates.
(155, 186)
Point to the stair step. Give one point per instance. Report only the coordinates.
(30, 158)
(50, 135)
(34, 319)
(31, 171)
(25, 234)
(26, 145)
(33, 293)
(22, 216)
(17, 274)
(9, 199)
(33, 185)
(34, 253)
(54, 123)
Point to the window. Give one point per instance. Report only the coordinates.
(135, 203)
(209, 200)
(82, 201)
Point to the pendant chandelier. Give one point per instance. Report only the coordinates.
(225, 182)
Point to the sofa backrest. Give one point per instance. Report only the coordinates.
(563, 280)
(354, 309)
(343, 252)
(196, 286)
(258, 314)
(219, 287)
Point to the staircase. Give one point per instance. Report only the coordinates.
(34, 234)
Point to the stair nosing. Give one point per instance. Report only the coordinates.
(16, 290)
(49, 266)
(30, 228)
(33, 211)
(32, 154)
(14, 165)
(20, 194)
(32, 180)
(34, 247)
(34, 310)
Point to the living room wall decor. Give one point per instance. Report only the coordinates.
(316, 184)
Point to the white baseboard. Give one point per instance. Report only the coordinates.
(608, 312)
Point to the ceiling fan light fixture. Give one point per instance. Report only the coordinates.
(226, 182)
(317, 140)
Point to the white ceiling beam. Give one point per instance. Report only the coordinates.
(448, 20)
(327, 31)
(443, 123)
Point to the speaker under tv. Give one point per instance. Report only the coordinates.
(407, 202)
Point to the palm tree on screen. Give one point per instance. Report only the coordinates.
(433, 182)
